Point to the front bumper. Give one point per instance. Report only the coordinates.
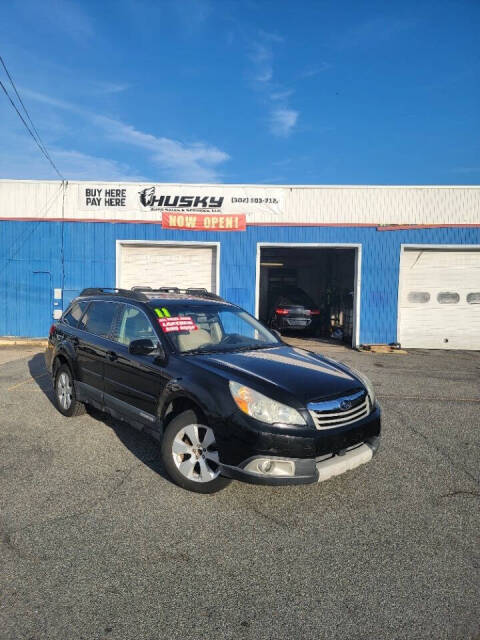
(309, 470)
(317, 454)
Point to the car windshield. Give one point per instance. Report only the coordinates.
(208, 328)
(294, 296)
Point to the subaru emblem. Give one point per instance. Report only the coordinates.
(345, 405)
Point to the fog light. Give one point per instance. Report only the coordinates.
(265, 466)
(268, 467)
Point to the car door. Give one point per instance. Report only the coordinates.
(133, 383)
(92, 345)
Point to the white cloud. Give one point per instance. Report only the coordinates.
(81, 166)
(282, 94)
(316, 70)
(262, 58)
(188, 162)
(52, 102)
(109, 87)
(282, 121)
(26, 162)
(282, 117)
(196, 161)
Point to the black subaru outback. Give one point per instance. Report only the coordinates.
(224, 395)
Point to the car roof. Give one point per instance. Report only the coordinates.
(152, 298)
(190, 299)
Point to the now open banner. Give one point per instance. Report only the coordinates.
(197, 222)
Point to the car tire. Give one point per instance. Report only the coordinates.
(190, 456)
(64, 390)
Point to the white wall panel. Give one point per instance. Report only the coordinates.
(261, 204)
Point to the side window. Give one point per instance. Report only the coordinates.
(133, 324)
(473, 298)
(98, 318)
(74, 314)
(448, 297)
(418, 296)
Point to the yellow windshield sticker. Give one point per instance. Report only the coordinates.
(166, 312)
(159, 313)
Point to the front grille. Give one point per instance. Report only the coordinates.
(329, 414)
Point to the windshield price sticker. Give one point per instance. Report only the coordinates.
(178, 323)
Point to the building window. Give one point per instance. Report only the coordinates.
(473, 298)
(419, 296)
(448, 297)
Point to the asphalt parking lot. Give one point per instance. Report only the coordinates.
(98, 544)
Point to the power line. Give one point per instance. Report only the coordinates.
(37, 140)
(23, 106)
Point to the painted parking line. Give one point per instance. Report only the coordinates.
(19, 384)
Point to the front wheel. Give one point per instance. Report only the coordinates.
(190, 454)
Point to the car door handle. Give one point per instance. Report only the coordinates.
(111, 355)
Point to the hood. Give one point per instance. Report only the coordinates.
(301, 374)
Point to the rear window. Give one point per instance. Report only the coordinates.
(99, 317)
(295, 296)
(72, 317)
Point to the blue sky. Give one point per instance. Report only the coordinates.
(251, 91)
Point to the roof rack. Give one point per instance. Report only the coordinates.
(201, 292)
(139, 292)
(107, 291)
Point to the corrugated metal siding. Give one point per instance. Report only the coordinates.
(90, 254)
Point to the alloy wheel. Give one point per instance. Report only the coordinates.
(64, 390)
(195, 453)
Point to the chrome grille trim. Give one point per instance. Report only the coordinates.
(326, 416)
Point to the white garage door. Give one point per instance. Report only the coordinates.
(439, 299)
(157, 265)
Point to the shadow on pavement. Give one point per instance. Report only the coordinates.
(143, 446)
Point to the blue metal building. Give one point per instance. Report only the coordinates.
(51, 248)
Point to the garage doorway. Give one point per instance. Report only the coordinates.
(323, 279)
(168, 264)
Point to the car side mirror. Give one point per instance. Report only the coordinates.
(143, 347)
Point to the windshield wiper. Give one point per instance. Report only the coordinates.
(250, 347)
(203, 351)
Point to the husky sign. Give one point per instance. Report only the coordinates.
(137, 202)
(149, 198)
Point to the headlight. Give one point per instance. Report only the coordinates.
(262, 408)
(367, 383)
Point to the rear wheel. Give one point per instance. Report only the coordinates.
(65, 398)
(190, 454)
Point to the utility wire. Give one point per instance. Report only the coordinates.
(37, 139)
(2, 62)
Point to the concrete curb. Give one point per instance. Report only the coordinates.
(23, 342)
